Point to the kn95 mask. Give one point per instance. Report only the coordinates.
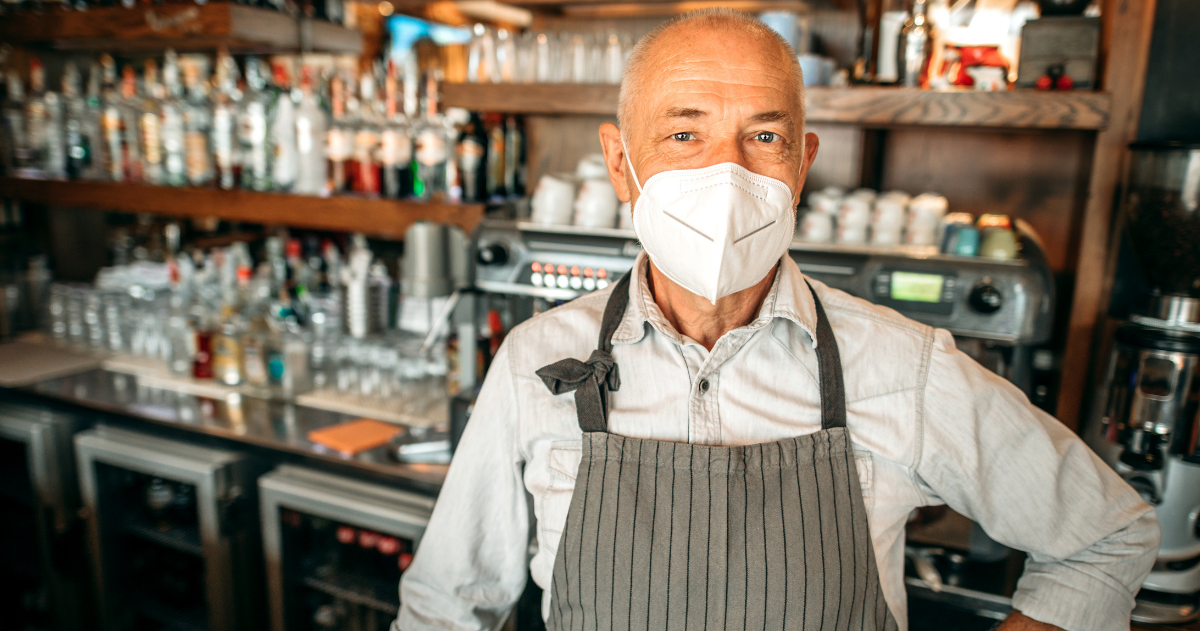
(714, 231)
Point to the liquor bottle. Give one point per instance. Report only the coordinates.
(150, 140)
(496, 155)
(514, 157)
(94, 125)
(114, 140)
(337, 146)
(256, 151)
(283, 131)
(395, 143)
(224, 122)
(916, 39)
(16, 141)
(367, 170)
(431, 148)
(36, 121)
(311, 168)
(53, 148)
(472, 155)
(172, 125)
(78, 142)
(197, 129)
(130, 111)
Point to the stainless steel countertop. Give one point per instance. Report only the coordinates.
(269, 424)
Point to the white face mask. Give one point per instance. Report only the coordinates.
(714, 231)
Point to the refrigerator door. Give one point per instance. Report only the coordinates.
(370, 507)
(47, 476)
(224, 544)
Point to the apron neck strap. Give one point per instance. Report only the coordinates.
(829, 365)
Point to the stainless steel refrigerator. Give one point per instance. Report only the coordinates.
(335, 549)
(44, 578)
(172, 532)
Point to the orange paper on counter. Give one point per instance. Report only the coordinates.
(355, 436)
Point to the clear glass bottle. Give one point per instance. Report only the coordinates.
(225, 122)
(16, 152)
(282, 119)
(114, 140)
(54, 142)
(150, 141)
(171, 124)
(431, 144)
(311, 167)
(94, 125)
(472, 153)
(197, 129)
(338, 139)
(253, 128)
(130, 111)
(367, 127)
(36, 121)
(78, 142)
(395, 143)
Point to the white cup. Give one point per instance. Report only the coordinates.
(927, 208)
(855, 213)
(886, 235)
(596, 205)
(889, 213)
(851, 234)
(552, 202)
(592, 167)
(816, 227)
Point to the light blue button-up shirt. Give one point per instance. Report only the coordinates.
(929, 426)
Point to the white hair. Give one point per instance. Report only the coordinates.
(721, 17)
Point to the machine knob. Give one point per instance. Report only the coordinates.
(985, 298)
(494, 254)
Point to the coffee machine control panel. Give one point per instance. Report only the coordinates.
(550, 262)
(1011, 302)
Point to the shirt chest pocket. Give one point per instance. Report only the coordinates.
(563, 465)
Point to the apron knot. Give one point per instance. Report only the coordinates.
(590, 381)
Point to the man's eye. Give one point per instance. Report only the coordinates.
(767, 136)
(683, 136)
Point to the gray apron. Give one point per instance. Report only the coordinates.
(665, 535)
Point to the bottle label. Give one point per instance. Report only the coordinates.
(431, 148)
(196, 156)
(364, 144)
(395, 147)
(471, 153)
(151, 138)
(223, 138)
(339, 145)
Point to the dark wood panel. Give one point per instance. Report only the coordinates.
(182, 26)
(380, 217)
(867, 106)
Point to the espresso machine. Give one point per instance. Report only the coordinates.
(1143, 421)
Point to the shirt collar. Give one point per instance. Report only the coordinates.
(790, 298)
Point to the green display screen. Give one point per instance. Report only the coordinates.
(917, 287)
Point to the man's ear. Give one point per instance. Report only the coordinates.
(811, 143)
(614, 160)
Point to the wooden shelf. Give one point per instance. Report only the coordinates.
(180, 26)
(379, 217)
(867, 106)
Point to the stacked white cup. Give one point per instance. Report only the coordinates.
(925, 213)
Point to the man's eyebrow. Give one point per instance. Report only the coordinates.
(771, 117)
(685, 112)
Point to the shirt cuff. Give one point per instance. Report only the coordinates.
(1073, 596)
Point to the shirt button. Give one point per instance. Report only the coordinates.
(703, 386)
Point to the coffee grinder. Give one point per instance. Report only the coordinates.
(1144, 420)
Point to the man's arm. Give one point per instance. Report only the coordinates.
(472, 562)
(1033, 485)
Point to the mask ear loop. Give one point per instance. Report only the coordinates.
(627, 161)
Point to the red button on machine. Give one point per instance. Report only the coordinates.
(562, 269)
(601, 273)
(537, 267)
(574, 270)
(587, 271)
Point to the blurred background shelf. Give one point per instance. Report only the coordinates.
(377, 217)
(870, 106)
(181, 26)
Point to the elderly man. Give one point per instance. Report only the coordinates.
(718, 442)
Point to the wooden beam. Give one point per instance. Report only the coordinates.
(387, 218)
(1127, 28)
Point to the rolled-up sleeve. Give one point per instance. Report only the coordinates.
(472, 562)
(1033, 485)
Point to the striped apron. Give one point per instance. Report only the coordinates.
(663, 535)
